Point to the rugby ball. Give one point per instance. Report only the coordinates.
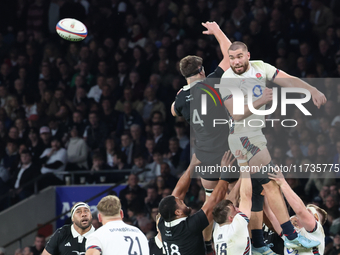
(71, 30)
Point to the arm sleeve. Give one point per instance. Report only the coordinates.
(240, 224)
(217, 73)
(52, 244)
(179, 104)
(198, 221)
(271, 71)
(92, 242)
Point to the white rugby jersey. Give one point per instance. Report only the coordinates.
(255, 80)
(117, 237)
(317, 234)
(233, 238)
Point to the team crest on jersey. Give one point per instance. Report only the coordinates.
(219, 236)
(259, 76)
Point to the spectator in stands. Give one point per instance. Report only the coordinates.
(137, 138)
(57, 130)
(45, 135)
(98, 164)
(95, 133)
(161, 141)
(58, 100)
(11, 155)
(78, 121)
(127, 97)
(54, 159)
(150, 147)
(132, 185)
(150, 104)
(127, 147)
(39, 244)
(160, 184)
(169, 179)
(174, 153)
(180, 134)
(109, 151)
(127, 118)
(139, 165)
(96, 91)
(152, 198)
(77, 151)
(34, 144)
(25, 172)
(109, 116)
(27, 251)
(120, 160)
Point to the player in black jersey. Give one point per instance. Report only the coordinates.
(210, 141)
(182, 233)
(70, 239)
(155, 243)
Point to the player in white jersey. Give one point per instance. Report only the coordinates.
(308, 220)
(231, 234)
(253, 75)
(115, 236)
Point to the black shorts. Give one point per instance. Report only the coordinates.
(210, 167)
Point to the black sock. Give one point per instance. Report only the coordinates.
(208, 246)
(288, 230)
(257, 237)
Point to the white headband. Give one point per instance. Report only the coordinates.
(79, 205)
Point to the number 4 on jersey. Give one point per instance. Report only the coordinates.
(196, 119)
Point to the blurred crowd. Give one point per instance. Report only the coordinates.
(104, 103)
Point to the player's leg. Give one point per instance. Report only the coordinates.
(276, 201)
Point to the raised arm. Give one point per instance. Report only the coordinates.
(183, 183)
(220, 190)
(267, 97)
(285, 80)
(246, 186)
(224, 42)
(307, 220)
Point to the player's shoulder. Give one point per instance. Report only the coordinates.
(64, 229)
(228, 73)
(242, 217)
(257, 64)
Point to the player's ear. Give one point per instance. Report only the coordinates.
(248, 55)
(121, 213)
(178, 212)
(100, 218)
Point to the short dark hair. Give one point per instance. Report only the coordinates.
(238, 45)
(26, 152)
(167, 208)
(221, 211)
(189, 65)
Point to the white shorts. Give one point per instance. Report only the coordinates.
(247, 144)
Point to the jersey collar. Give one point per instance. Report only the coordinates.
(174, 222)
(81, 237)
(189, 86)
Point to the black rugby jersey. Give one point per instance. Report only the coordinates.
(64, 242)
(184, 235)
(155, 246)
(188, 103)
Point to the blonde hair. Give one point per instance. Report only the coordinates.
(109, 206)
(319, 211)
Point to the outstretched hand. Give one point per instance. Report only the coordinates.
(318, 98)
(212, 27)
(227, 159)
(277, 176)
